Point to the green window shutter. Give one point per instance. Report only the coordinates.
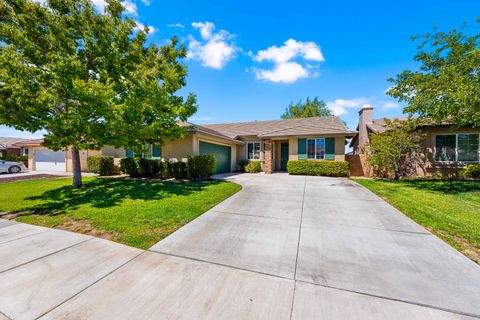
(329, 148)
(302, 149)
(156, 152)
(129, 153)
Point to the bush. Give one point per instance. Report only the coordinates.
(129, 166)
(253, 167)
(471, 171)
(201, 167)
(148, 167)
(241, 165)
(103, 165)
(318, 168)
(177, 170)
(13, 157)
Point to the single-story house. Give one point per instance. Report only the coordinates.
(272, 143)
(444, 150)
(8, 146)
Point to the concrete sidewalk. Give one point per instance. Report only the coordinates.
(285, 247)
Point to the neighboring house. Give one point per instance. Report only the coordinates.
(443, 149)
(8, 146)
(272, 143)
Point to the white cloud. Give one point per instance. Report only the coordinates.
(141, 26)
(176, 25)
(146, 2)
(340, 106)
(215, 49)
(388, 104)
(200, 119)
(285, 70)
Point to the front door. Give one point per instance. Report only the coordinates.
(283, 156)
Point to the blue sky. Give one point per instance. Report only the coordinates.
(249, 59)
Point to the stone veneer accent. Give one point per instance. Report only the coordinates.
(268, 155)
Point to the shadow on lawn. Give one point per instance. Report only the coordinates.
(102, 193)
(447, 186)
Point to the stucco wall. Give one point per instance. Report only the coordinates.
(179, 148)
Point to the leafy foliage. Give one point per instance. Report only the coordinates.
(13, 157)
(393, 152)
(471, 171)
(201, 167)
(153, 168)
(86, 78)
(241, 165)
(446, 88)
(253, 167)
(307, 109)
(103, 165)
(318, 168)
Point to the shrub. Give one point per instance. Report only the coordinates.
(13, 157)
(177, 170)
(103, 165)
(471, 171)
(201, 167)
(318, 168)
(241, 165)
(253, 167)
(148, 167)
(129, 166)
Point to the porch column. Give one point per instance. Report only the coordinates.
(268, 155)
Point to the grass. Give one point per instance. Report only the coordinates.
(448, 208)
(137, 213)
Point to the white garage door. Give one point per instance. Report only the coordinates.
(49, 160)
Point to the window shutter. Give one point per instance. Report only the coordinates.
(128, 153)
(302, 149)
(329, 148)
(156, 152)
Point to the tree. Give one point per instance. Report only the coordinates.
(311, 108)
(394, 152)
(87, 78)
(446, 88)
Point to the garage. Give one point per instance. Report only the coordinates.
(49, 160)
(221, 152)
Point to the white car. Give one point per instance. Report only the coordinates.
(11, 166)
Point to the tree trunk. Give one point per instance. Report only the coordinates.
(77, 172)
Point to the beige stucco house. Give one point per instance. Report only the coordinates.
(272, 143)
(444, 150)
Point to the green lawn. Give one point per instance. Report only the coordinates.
(134, 212)
(448, 208)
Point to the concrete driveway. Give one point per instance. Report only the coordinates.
(285, 247)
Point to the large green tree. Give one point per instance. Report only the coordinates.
(447, 85)
(87, 78)
(394, 153)
(307, 109)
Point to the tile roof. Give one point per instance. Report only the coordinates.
(279, 128)
(8, 142)
(29, 142)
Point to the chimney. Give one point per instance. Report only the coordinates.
(365, 117)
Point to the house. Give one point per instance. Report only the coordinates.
(444, 150)
(8, 147)
(272, 143)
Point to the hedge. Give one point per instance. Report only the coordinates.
(471, 171)
(318, 168)
(153, 168)
(103, 165)
(13, 157)
(253, 167)
(201, 167)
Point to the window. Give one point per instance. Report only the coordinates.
(467, 147)
(457, 147)
(316, 148)
(253, 150)
(445, 147)
(149, 151)
(24, 151)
